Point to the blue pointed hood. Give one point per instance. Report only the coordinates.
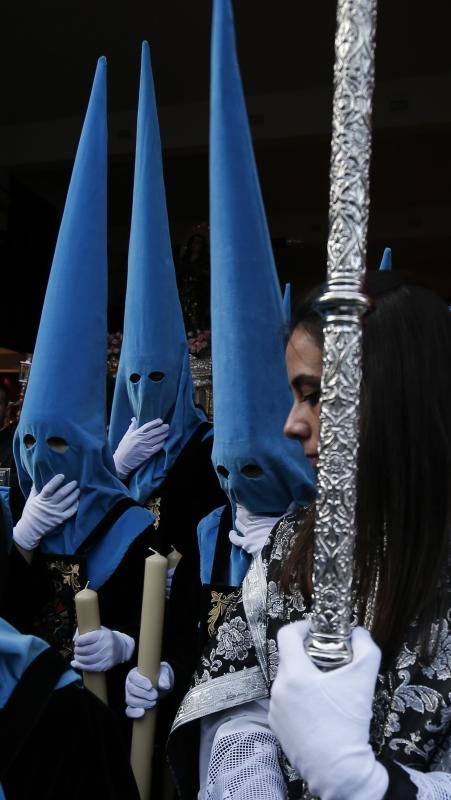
(287, 304)
(153, 378)
(258, 467)
(62, 427)
(386, 263)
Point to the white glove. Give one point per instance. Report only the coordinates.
(254, 530)
(140, 694)
(169, 577)
(100, 650)
(44, 511)
(139, 445)
(322, 719)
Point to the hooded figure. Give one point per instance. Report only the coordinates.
(386, 263)
(175, 477)
(258, 467)
(62, 429)
(153, 382)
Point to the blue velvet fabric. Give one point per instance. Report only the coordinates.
(251, 394)
(16, 654)
(154, 335)
(7, 519)
(66, 393)
(386, 262)
(207, 536)
(287, 304)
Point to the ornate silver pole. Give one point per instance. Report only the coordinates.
(342, 306)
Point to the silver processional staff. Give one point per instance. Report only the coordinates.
(342, 306)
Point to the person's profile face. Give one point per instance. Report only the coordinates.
(304, 367)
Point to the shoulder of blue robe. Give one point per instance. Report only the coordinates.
(17, 652)
(112, 548)
(57, 738)
(207, 535)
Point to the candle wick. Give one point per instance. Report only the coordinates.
(87, 585)
(153, 551)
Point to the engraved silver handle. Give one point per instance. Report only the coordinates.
(342, 307)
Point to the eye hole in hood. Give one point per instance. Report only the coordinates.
(135, 377)
(57, 444)
(29, 441)
(252, 471)
(156, 376)
(222, 471)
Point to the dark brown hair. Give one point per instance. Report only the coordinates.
(404, 478)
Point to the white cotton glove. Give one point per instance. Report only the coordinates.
(139, 445)
(45, 510)
(254, 530)
(322, 719)
(140, 694)
(101, 650)
(169, 577)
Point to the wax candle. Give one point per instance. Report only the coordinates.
(173, 558)
(88, 619)
(149, 657)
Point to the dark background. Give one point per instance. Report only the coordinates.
(48, 52)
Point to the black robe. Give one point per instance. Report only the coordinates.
(62, 743)
(412, 705)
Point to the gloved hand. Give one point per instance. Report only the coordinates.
(140, 694)
(100, 650)
(138, 445)
(322, 719)
(45, 510)
(169, 577)
(254, 530)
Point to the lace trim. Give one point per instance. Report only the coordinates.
(431, 785)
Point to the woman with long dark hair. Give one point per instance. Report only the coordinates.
(381, 726)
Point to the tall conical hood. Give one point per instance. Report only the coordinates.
(258, 467)
(287, 304)
(153, 378)
(62, 425)
(386, 263)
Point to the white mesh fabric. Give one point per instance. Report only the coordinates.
(431, 785)
(244, 766)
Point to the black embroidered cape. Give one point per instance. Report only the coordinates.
(412, 706)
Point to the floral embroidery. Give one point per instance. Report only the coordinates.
(234, 640)
(219, 604)
(440, 666)
(412, 705)
(273, 659)
(275, 605)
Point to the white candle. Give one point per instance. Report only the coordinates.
(88, 619)
(149, 657)
(173, 558)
